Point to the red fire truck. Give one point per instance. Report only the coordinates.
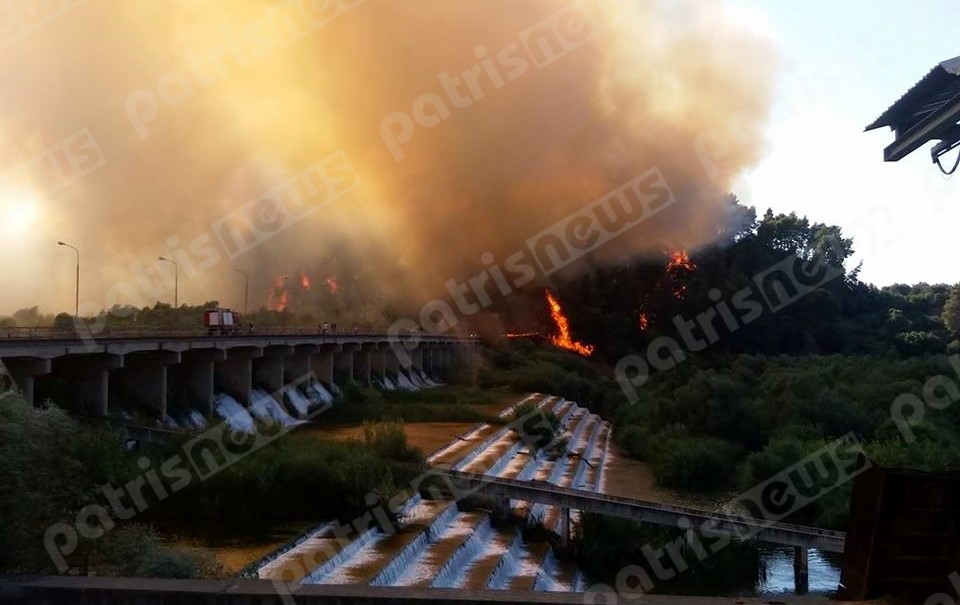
(221, 321)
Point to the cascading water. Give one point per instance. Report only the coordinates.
(451, 575)
(266, 409)
(237, 417)
(388, 384)
(170, 422)
(412, 552)
(507, 565)
(318, 393)
(297, 400)
(196, 419)
(405, 384)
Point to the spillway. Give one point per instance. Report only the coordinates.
(266, 409)
(438, 545)
(236, 416)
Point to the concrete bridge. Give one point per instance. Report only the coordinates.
(799, 536)
(147, 370)
(54, 590)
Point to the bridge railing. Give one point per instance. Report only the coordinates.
(143, 332)
(683, 510)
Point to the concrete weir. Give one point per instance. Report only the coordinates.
(150, 373)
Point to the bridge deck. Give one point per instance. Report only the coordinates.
(649, 512)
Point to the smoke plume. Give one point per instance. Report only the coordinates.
(468, 129)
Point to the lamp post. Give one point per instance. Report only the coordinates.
(76, 302)
(176, 280)
(246, 289)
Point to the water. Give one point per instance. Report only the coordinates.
(236, 416)
(776, 570)
(266, 409)
(404, 383)
(317, 392)
(297, 400)
(440, 546)
(388, 384)
(196, 419)
(170, 422)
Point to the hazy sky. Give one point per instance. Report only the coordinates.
(641, 93)
(844, 63)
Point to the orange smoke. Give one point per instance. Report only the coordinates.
(563, 338)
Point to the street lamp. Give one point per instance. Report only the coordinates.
(76, 304)
(246, 289)
(176, 279)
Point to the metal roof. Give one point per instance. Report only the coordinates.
(926, 97)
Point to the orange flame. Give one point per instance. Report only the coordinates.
(278, 298)
(678, 266)
(644, 320)
(304, 281)
(563, 338)
(679, 262)
(332, 284)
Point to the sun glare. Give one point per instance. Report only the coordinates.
(18, 213)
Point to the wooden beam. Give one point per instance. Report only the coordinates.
(924, 131)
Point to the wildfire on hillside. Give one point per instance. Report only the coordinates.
(332, 284)
(304, 281)
(278, 298)
(562, 338)
(679, 266)
(643, 320)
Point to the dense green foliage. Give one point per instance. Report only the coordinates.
(50, 468)
(749, 394)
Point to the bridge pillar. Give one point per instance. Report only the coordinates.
(801, 577)
(565, 526)
(376, 363)
(416, 358)
(142, 381)
(297, 367)
(84, 381)
(361, 366)
(268, 370)
(430, 365)
(23, 371)
(234, 375)
(343, 364)
(391, 365)
(322, 363)
(191, 382)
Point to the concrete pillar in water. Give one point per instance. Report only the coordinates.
(268, 370)
(376, 356)
(234, 375)
(391, 364)
(323, 363)
(343, 364)
(416, 358)
(142, 381)
(85, 381)
(191, 382)
(297, 367)
(361, 366)
(23, 371)
(429, 353)
(801, 578)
